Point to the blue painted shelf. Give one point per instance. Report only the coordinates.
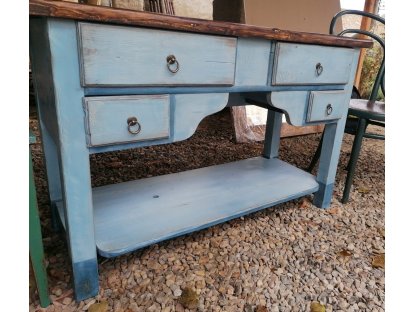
(135, 214)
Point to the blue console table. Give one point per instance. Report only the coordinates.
(108, 79)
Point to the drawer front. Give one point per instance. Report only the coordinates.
(326, 105)
(121, 119)
(310, 65)
(128, 56)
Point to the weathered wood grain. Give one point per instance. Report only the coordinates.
(135, 214)
(318, 102)
(84, 12)
(73, 157)
(127, 56)
(190, 109)
(106, 118)
(295, 64)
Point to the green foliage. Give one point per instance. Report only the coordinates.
(371, 64)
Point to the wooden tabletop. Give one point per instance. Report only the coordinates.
(102, 14)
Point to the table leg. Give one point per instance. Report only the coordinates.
(355, 152)
(79, 223)
(52, 172)
(331, 146)
(42, 80)
(272, 136)
(35, 242)
(63, 103)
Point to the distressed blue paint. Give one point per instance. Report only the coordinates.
(190, 109)
(293, 103)
(73, 154)
(85, 281)
(42, 76)
(252, 62)
(138, 213)
(303, 107)
(123, 212)
(272, 136)
(198, 89)
(172, 102)
(323, 198)
(129, 145)
(296, 64)
(128, 216)
(121, 55)
(106, 118)
(318, 102)
(50, 152)
(45, 99)
(331, 147)
(186, 110)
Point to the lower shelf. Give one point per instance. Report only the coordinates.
(132, 215)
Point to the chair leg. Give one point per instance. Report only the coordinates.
(35, 242)
(317, 154)
(355, 152)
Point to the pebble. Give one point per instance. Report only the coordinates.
(350, 247)
(177, 292)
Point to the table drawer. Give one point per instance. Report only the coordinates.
(326, 105)
(300, 64)
(121, 119)
(129, 56)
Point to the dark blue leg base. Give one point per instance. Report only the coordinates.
(85, 279)
(322, 198)
(55, 220)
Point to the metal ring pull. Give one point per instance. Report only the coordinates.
(171, 61)
(319, 69)
(133, 123)
(329, 109)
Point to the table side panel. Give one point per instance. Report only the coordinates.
(73, 157)
(293, 104)
(41, 65)
(190, 109)
(73, 152)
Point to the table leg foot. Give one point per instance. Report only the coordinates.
(85, 281)
(322, 197)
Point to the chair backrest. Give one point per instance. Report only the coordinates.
(159, 6)
(379, 81)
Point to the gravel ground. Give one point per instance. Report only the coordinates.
(279, 259)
